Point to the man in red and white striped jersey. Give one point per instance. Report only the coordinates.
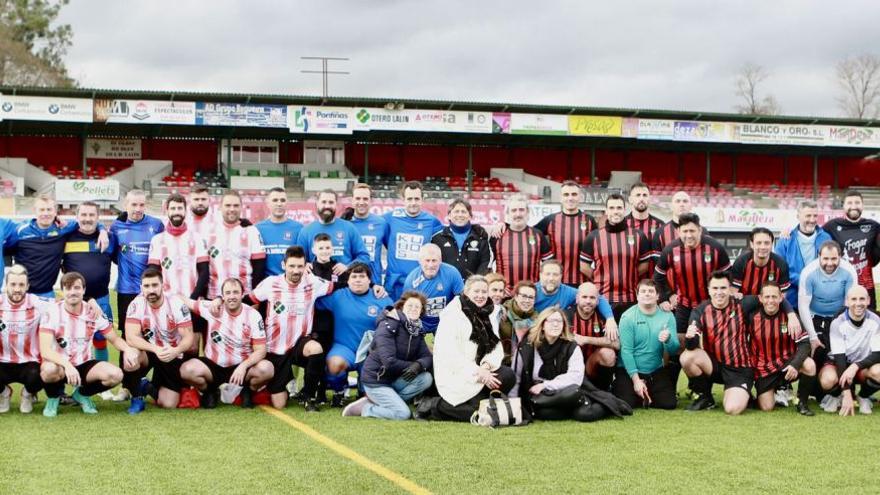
(234, 350)
(235, 251)
(290, 309)
(66, 332)
(160, 329)
(182, 259)
(19, 342)
(201, 219)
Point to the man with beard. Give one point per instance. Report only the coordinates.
(19, 341)
(437, 281)
(370, 226)
(595, 334)
(82, 255)
(858, 238)
(234, 251)
(130, 237)
(758, 265)
(639, 217)
(278, 232)
(159, 328)
(616, 257)
(348, 246)
(566, 231)
(200, 218)
(552, 292)
(235, 350)
(290, 309)
(680, 205)
(801, 246)
(182, 260)
(406, 231)
(520, 248)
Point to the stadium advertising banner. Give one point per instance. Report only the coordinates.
(240, 115)
(865, 137)
(709, 132)
(320, 120)
(501, 123)
(656, 129)
(588, 125)
(539, 124)
(146, 112)
(71, 191)
(113, 148)
(46, 108)
(745, 219)
(803, 135)
(381, 119)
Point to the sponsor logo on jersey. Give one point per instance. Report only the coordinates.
(166, 262)
(372, 311)
(278, 307)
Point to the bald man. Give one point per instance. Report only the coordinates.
(596, 336)
(680, 204)
(853, 357)
(439, 282)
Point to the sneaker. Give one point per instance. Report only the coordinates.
(703, 402)
(4, 400)
(338, 400)
(121, 396)
(781, 398)
(50, 410)
(189, 399)
(291, 389)
(803, 410)
(106, 395)
(138, 404)
(27, 402)
(830, 404)
(147, 389)
(86, 403)
(355, 408)
(311, 405)
(67, 400)
(352, 381)
(247, 398)
(209, 399)
(865, 405)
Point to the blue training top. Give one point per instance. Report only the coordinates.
(564, 297)
(353, 314)
(372, 230)
(277, 237)
(405, 235)
(131, 245)
(439, 291)
(40, 251)
(347, 243)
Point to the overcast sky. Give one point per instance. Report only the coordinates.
(634, 55)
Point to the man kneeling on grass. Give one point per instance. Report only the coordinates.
(66, 332)
(235, 348)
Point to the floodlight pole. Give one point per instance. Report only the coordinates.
(325, 71)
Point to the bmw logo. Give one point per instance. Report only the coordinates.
(53, 108)
(7, 107)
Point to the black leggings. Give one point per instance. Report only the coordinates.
(444, 411)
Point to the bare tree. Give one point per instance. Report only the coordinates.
(748, 82)
(32, 46)
(859, 79)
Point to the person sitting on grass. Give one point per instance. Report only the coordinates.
(497, 288)
(397, 368)
(467, 356)
(66, 332)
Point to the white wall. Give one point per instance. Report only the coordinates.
(259, 183)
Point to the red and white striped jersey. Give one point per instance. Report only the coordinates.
(19, 341)
(178, 255)
(73, 333)
(231, 249)
(290, 308)
(159, 325)
(202, 226)
(231, 338)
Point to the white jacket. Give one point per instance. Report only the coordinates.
(455, 368)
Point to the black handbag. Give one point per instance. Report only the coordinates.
(565, 397)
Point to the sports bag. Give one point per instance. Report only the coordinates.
(500, 410)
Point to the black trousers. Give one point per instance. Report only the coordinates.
(28, 374)
(444, 411)
(660, 388)
(122, 303)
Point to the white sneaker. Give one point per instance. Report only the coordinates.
(356, 407)
(106, 395)
(4, 400)
(121, 396)
(27, 402)
(291, 388)
(830, 404)
(352, 381)
(790, 395)
(781, 398)
(865, 405)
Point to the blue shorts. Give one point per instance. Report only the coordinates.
(345, 353)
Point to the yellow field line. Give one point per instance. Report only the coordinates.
(346, 452)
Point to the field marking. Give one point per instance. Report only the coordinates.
(346, 452)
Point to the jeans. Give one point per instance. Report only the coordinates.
(389, 402)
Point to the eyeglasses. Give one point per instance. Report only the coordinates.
(525, 296)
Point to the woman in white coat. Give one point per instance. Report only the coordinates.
(467, 355)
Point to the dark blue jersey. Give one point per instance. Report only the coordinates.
(277, 237)
(81, 254)
(40, 251)
(131, 243)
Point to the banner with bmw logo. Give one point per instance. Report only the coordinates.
(46, 108)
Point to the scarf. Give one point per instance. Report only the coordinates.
(175, 231)
(615, 227)
(555, 361)
(481, 326)
(519, 318)
(412, 327)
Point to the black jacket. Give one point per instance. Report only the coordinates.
(473, 259)
(392, 351)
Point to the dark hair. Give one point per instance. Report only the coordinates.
(830, 245)
(278, 190)
(646, 282)
(852, 193)
(409, 295)
(328, 191)
(570, 183)
(175, 198)
(70, 278)
(687, 218)
(231, 193)
(770, 283)
(720, 274)
(524, 284)
(294, 252)
(233, 280)
(358, 267)
(462, 202)
(639, 185)
(198, 189)
(760, 230)
(411, 184)
(323, 236)
(615, 196)
(152, 272)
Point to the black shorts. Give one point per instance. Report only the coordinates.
(219, 374)
(682, 317)
(84, 370)
(770, 382)
(733, 377)
(28, 374)
(200, 325)
(166, 375)
(283, 364)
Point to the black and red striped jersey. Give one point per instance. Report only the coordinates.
(685, 272)
(663, 236)
(748, 277)
(648, 226)
(566, 234)
(593, 326)
(518, 255)
(773, 343)
(724, 333)
(616, 251)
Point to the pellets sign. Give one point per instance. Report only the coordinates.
(239, 115)
(319, 120)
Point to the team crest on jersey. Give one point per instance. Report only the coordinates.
(372, 311)
(213, 252)
(784, 328)
(61, 342)
(340, 235)
(865, 229)
(278, 307)
(216, 337)
(419, 225)
(707, 258)
(474, 243)
(439, 286)
(630, 240)
(596, 329)
(676, 258)
(288, 236)
(531, 239)
(839, 228)
(371, 226)
(166, 262)
(184, 311)
(771, 277)
(147, 333)
(583, 225)
(652, 230)
(446, 244)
